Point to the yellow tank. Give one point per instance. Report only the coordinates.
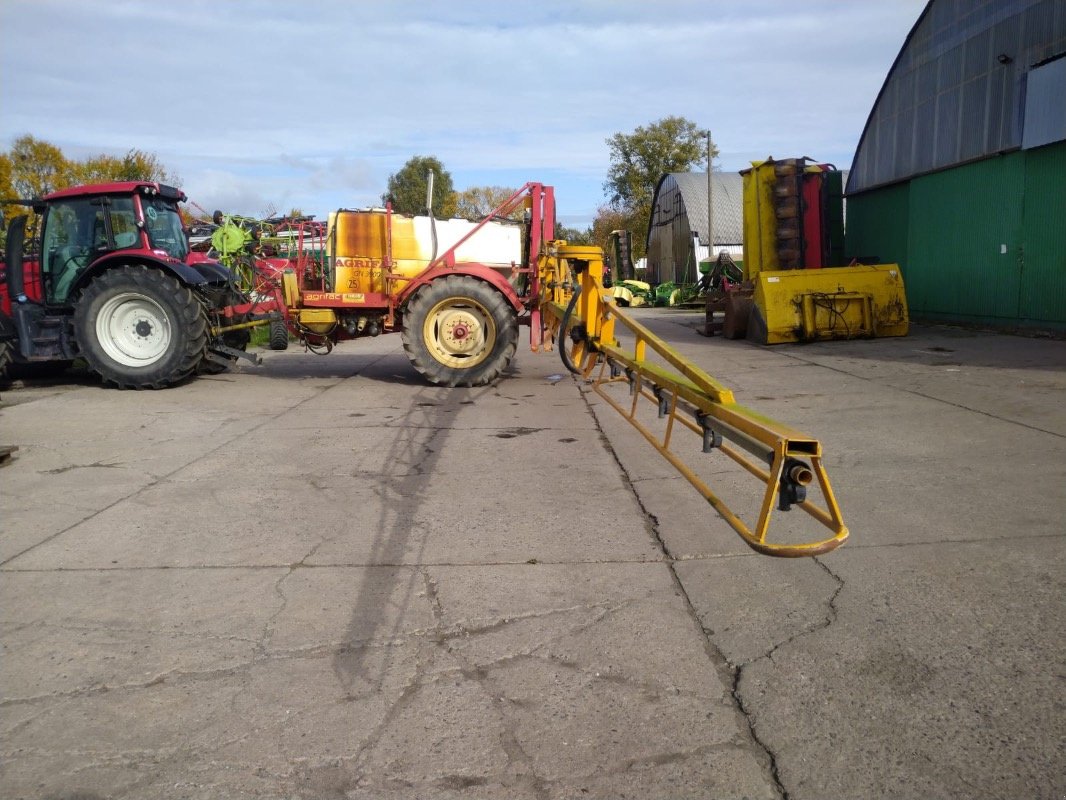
(359, 242)
(359, 239)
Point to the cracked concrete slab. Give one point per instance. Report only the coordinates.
(320, 577)
(915, 661)
(939, 682)
(105, 640)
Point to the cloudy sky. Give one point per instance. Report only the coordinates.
(258, 104)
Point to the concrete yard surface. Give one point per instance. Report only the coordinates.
(323, 578)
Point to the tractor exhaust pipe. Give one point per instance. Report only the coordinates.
(16, 236)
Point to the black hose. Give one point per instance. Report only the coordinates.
(567, 362)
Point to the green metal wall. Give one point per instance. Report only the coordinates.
(984, 242)
(1043, 293)
(877, 227)
(965, 240)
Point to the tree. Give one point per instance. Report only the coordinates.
(34, 167)
(135, 165)
(610, 219)
(407, 188)
(38, 167)
(477, 202)
(7, 188)
(641, 158)
(573, 235)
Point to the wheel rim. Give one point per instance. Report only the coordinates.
(133, 330)
(459, 332)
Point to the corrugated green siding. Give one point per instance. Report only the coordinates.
(965, 240)
(1043, 293)
(877, 226)
(984, 242)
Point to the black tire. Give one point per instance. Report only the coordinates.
(279, 335)
(485, 322)
(6, 349)
(139, 328)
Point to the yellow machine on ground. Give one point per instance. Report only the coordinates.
(793, 244)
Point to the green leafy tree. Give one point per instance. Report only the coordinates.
(477, 202)
(407, 188)
(640, 159)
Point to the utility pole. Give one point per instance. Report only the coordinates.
(710, 203)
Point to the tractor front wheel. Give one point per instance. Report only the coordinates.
(459, 331)
(139, 328)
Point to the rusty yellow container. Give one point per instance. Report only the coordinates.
(359, 241)
(806, 305)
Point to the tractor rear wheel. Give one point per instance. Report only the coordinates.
(140, 328)
(459, 331)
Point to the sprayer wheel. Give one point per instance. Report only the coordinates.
(279, 335)
(460, 331)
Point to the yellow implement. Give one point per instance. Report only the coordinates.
(802, 293)
(574, 304)
(806, 305)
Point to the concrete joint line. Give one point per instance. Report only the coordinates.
(916, 393)
(722, 664)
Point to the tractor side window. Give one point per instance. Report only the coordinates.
(163, 223)
(77, 232)
(114, 223)
(124, 225)
(66, 245)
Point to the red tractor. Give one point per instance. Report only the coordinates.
(109, 278)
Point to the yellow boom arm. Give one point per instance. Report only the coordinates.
(578, 313)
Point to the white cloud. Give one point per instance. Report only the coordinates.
(255, 101)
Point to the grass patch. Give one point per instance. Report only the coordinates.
(260, 336)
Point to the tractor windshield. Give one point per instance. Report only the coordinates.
(163, 223)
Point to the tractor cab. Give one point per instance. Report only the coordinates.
(107, 276)
(79, 228)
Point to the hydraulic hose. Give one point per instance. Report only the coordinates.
(563, 353)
